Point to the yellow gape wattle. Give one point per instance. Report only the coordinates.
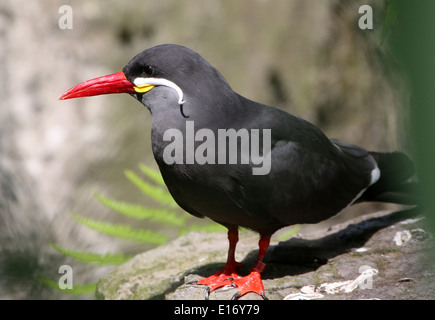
(143, 89)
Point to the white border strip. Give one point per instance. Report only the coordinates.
(140, 82)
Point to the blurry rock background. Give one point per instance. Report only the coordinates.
(305, 56)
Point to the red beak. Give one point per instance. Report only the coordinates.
(112, 83)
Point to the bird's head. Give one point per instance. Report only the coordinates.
(164, 76)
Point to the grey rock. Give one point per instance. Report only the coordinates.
(326, 258)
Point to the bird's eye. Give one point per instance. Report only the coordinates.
(149, 71)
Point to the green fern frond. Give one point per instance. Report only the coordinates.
(78, 289)
(290, 233)
(152, 174)
(122, 231)
(141, 213)
(157, 193)
(94, 258)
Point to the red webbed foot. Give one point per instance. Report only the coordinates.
(220, 279)
(229, 276)
(250, 283)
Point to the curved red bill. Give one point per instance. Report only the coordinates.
(112, 83)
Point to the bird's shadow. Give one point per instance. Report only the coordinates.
(298, 256)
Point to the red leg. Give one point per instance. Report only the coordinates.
(253, 282)
(228, 273)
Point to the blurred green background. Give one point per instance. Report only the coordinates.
(308, 57)
(414, 46)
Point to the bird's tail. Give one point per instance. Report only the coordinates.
(394, 184)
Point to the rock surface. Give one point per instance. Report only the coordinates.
(358, 260)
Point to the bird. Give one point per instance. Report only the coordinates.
(305, 177)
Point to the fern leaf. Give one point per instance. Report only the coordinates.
(78, 289)
(157, 193)
(123, 231)
(152, 174)
(94, 258)
(140, 213)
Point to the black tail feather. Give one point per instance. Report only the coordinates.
(393, 185)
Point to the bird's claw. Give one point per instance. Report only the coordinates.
(207, 293)
(238, 294)
(208, 290)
